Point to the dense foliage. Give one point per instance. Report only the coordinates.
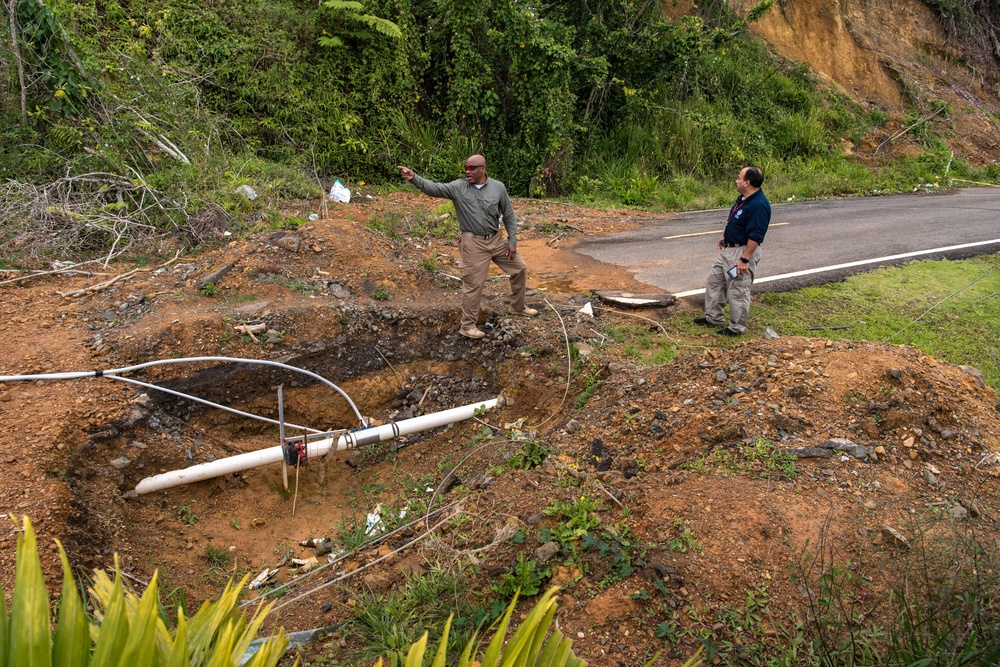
(610, 99)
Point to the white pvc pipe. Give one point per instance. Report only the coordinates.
(317, 448)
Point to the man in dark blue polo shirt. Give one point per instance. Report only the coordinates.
(739, 251)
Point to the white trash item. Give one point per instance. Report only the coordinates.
(247, 192)
(339, 193)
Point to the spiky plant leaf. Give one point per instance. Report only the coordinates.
(4, 628)
(140, 649)
(415, 656)
(30, 639)
(492, 655)
(442, 653)
(72, 642)
(179, 650)
(112, 631)
(270, 651)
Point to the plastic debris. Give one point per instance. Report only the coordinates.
(262, 578)
(304, 564)
(339, 193)
(313, 217)
(587, 310)
(373, 522)
(247, 191)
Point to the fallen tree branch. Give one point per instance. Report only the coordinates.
(108, 283)
(68, 269)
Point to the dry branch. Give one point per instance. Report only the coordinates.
(108, 283)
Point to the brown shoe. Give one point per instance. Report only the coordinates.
(474, 334)
(527, 312)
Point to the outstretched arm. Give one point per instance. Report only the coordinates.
(431, 188)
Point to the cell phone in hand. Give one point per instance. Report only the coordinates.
(733, 272)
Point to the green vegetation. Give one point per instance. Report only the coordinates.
(531, 456)
(125, 628)
(527, 646)
(187, 515)
(947, 309)
(160, 117)
(525, 577)
(941, 610)
(759, 458)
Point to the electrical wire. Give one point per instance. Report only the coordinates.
(162, 362)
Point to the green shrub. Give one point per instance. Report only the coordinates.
(126, 628)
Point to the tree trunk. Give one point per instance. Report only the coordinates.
(16, 50)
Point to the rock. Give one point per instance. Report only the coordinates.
(894, 536)
(285, 240)
(948, 433)
(770, 334)
(930, 478)
(721, 376)
(121, 462)
(572, 426)
(810, 452)
(546, 552)
(534, 519)
(958, 512)
(894, 373)
(251, 309)
(975, 373)
(214, 277)
(325, 607)
(584, 349)
(970, 505)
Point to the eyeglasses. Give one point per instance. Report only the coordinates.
(473, 167)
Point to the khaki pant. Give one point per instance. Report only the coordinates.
(477, 253)
(721, 289)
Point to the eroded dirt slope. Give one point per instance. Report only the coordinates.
(897, 55)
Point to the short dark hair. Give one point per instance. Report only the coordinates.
(755, 176)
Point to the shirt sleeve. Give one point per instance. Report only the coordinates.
(509, 219)
(442, 190)
(759, 217)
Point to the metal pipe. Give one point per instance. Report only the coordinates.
(350, 440)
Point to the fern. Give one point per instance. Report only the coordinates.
(351, 11)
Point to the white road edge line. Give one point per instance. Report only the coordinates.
(848, 265)
(714, 231)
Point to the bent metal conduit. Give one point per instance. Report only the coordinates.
(349, 440)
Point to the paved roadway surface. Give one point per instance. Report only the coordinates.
(812, 242)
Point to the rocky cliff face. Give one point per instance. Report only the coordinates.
(895, 54)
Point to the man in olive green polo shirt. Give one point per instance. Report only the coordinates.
(480, 202)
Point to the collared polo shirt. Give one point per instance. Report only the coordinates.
(748, 219)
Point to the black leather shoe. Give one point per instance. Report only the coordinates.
(728, 332)
(704, 322)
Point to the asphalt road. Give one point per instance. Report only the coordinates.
(813, 242)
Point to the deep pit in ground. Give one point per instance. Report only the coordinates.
(393, 366)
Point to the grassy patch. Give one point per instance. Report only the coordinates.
(759, 458)
(947, 309)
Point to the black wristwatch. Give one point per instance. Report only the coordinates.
(744, 260)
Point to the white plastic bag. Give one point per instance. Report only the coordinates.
(339, 193)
